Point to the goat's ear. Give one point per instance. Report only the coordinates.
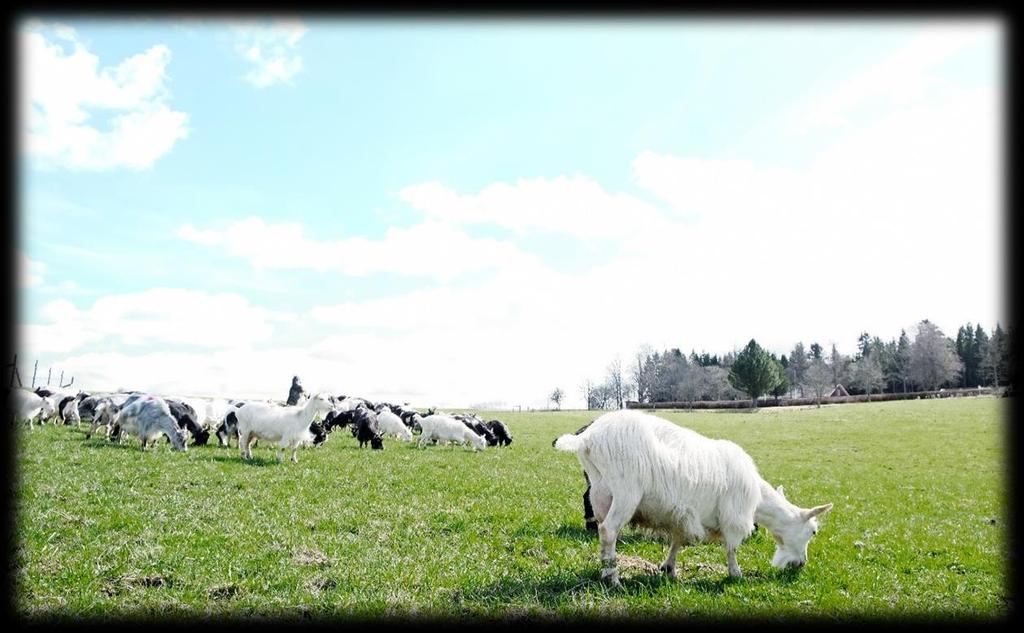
(780, 491)
(815, 511)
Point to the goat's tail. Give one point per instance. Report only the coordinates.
(570, 442)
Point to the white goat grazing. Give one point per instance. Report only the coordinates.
(445, 428)
(209, 412)
(286, 425)
(391, 424)
(147, 418)
(28, 406)
(648, 471)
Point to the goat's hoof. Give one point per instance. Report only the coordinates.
(669, 570)
(591, 526)
(611, 575)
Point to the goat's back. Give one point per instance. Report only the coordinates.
(667, 463)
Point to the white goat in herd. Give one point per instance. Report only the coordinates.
(445, 428)
(28, 406)
(653, 473)
(286, 425)
(391, 424)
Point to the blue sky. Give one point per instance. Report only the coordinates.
(337, 198)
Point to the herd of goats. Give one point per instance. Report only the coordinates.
(306, 419)
(639, 468)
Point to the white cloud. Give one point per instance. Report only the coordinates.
(896, 218)
(271, 49)
(31, 271)
(902, 77)
(574, 205)
(429, 249)
(160, 315)
(63, 89)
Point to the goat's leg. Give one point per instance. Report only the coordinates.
(588, 510)
(622, 509)
(669, 566)
(243, 446)
(733, 536)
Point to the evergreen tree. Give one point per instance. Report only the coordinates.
(890, 364)
(965, 351)
(980, 352)
(863, 345)
(783, 387)
(754, 372)
(816, 351)
(839, 367)
(902, 359)
(798, 364)
(1010, 360)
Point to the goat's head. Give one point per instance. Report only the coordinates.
(319, 433)
(201, 437)
(179, 439)
(794, 533)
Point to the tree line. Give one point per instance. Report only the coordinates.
(930, 361)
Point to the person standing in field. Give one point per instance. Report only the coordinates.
(295, 392)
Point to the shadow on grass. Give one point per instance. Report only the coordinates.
(102, 442)
(582, 535)
(235, 458)
(551, 590)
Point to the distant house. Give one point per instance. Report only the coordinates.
(839, 391)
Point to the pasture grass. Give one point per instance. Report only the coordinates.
(918, 529)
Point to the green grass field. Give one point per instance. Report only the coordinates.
(918, 528)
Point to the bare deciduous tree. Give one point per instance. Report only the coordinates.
(933, 359)
(556, 397)
(867, 374)
(615, 382)
(642, 373)
(818, 378)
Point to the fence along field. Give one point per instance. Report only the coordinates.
(918, 528)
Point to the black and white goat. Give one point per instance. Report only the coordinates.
(188, 419)
(367, 428)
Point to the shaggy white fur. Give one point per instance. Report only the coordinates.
(673, 480)
(445, 428)
(391, 424)
(288, 426)
(28, 406)
(148, 418)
